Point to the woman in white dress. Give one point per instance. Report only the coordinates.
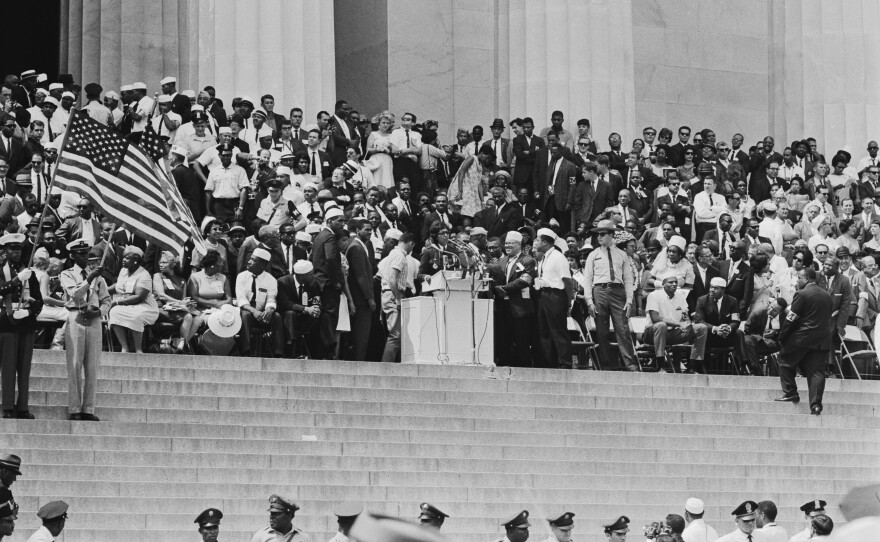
(133, 305)
(379, 149)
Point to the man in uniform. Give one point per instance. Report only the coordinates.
(810, 510)
(806, 339)
(209, 524)
(431, 516)
(608, 271)
(745, 525)
(86, 300)
(10, 469)
(8, 513)
(54, 516)
(697, 530)
(617, 529)
(346, 513)
(281, 528)
(561, 525)
(517, 528)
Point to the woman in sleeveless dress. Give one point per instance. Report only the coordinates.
(468, 188)
(379, 149)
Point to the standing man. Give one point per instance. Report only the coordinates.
(556, 289)
(393, 269)
(8, 513)
(745, 523)
(810, 510)
(360, 284)
(346, 514)
(227, 188)
(697, 530)
(499, 144)
(806, 341)
(180, 104)
(431, 516)
(328, 273)
(209, 524)
(97, 110)
(281, 529)
(86, 299)
(343, 133)
(561, 527)
(54, 517)
(409, 148)
(525, 150)
(517, 528)
(608, 271)
(515, 306)
(766, 522)
(10, 470)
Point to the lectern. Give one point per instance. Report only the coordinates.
(453, 326)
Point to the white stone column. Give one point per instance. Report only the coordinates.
(825, 73)
(241, 47)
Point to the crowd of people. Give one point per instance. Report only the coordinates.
(755, 521)
(315, 232)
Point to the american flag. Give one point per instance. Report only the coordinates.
(124, 184)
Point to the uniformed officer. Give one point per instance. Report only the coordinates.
(746, 513)
(810, 510)
(209, 524)
(517, 528)
(8, 512)
(54, 516)
(346, 514)
(561, 525)
(431, 516)
(10, 469)
(275, 209)
(617, 529)
(607, 269)
(281, 528)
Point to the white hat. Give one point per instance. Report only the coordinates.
(259, 111)
(303, 236)
(78, 244)
(28, 73)
(168, 80)
(164, 99)
(207, 220)
(132, 249)
(42, 77)
(770, 206)
(284, 170)
(51, 100)
(694, 506)
(262, 254)
(561, 245)
(313, 186)
(332, 212)
(224, 130)
(265, 131)
(42, 91)
(139, 85)
(189, 93)
(554, 222)
(393, 233)
(285, 155)
(312, 229)
(68, 94)
(479, 231)
(718, 281)
(125, 88)
(678, 241)
(177, 149)
(10, 238)
(196, 107)
(247, 99)
(514, 235)
(818, 220)
(301, 267)
(547, 232)
(111, 94)
(56, 86)
(225, 322)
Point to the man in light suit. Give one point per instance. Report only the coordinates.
(704, 272)
(858, 282)
(85, 226)
(515, 299)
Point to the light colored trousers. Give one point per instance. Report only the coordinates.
(83, 351)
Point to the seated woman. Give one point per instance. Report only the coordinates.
(47, 271)
(212, 230)
(133, 305)
(208, 288)
(169, 288)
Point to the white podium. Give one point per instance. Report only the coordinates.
(451, 327)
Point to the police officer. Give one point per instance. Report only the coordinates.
(517, 528)
(346, 514)
(10, 469)
(561, 525)
(607, 269)
(54, 517)
(281, 528)
(431, 516)
(8, 513)
(810, 510)
(617, 529)
(806, 339)
(746, 513)
(209, 524)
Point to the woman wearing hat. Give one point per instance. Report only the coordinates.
(170, 288)
(133, 305)
(212, 230)
(209, 287)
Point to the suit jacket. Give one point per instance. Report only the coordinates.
(289, 299)
(707, 311)
(530, 212)
(360, 274)
(807, 323)
(498, 223)
(14, 289)
(700, 288)
(513, 285)
(385, 226)
(181, 105)
(16, 159)
(681, 207)
(859, 283)
(121, 239)
(327, 261)
(326, 169)
(865, 190)
(736, 282)
(742, 157)
(277, 264)
(456, 220)
(71, 230)
(525, 154)
(503, 149)
(676, 154)
(715, 235)
(616, 161)
(756, 323)
(841, 299)
(563, 190)
(341, 144)
(650, 180)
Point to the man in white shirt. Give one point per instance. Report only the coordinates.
(823, 225)
(667, 311)
(770, 227)
(53, 120)
(255, 294)
(708, 206)
(54, 518)
(745, 525)
(227, 188)
(766, 522)
(393, 270)
(697, 529)
(872, 159)
(142, 108)
(789, 169)
(810, 510)
(274, 209)
(166, 122)
(555, 284)
(408, 144)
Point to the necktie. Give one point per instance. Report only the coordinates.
(254, 291)
(296, 134)
(314, 170)
(406, 206)
(724, 245)
(83, 274)
(610, 263)
(49, 129)
(301, 293)
(407, 139)
(749, 537)
(290, 258)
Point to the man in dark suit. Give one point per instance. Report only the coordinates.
(343, 133)
(759, 161)
(515, 299)
(11, 150)
(72, 228)
(180, 104)
(720, 314)
(841, 291)
(299, 304)
(647, 178)
(806, 340)
(452, 221)
(761, 331)
(525, 149)
(328, 272)
(526, 207)
(751, 236)
(676, 152)
(499, 144)
(737, 154)
(123, 238)
(679, 203)
(704, 272)
(556, 188)
(360, 284)
(319, 161)
(392, 219)
(286, 142)
(724, 237)
(500, 218)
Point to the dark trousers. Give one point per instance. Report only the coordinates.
(249, 324)
(296, 325)
(404, 167)
(514, 345)
(552, 316)
(224, 209)
(609, 302)
(755, 346)
(812, 362)
(361, 323)
(329, 319)
(16, 354)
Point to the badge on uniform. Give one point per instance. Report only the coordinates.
(791, 316)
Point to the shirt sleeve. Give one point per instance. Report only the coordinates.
(209, 184)
(242, 289)
(651, 303)
(272, 294)
(242, 179)
(588, 276)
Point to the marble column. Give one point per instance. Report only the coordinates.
(825, 73)
(241, 47)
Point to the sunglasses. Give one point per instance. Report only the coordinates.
(799, 260)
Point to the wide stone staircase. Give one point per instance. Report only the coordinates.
(182, 433)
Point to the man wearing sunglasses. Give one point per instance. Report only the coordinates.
(84, 226)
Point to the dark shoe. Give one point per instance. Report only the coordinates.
(75, 417)
(24, 415)
(8, 414)
(85, 416)
(816, 410)
(788, 399)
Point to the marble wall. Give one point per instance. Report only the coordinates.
(361, 28)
